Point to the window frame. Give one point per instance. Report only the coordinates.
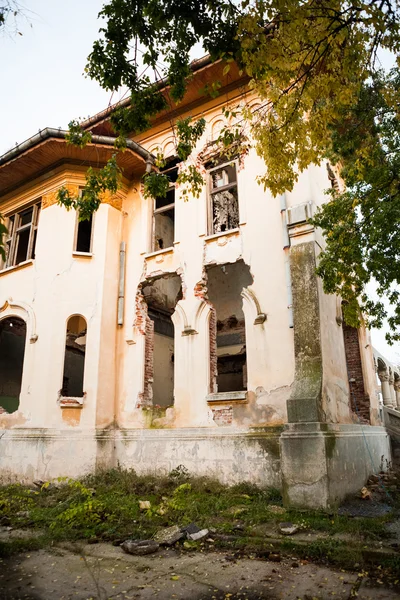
(166, 208)
(13, 236)
(74, 247)
(212, 191)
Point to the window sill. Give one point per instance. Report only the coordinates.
(71, 402)
(82, 254)
(26, 263)
(222, 234)
(220, 397)
(158, 252)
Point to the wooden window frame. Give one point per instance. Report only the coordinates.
(212, 191)
(13, 236)
(157, 211)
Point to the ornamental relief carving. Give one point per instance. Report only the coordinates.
(114, 200)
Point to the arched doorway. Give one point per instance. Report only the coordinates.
(12, 351)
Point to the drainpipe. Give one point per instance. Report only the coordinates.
(121, 284)
(286, 250)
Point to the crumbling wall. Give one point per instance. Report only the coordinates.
(224, 286)
(359, 400)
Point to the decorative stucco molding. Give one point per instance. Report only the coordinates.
(114, 200)
(26, 308)
(180, 320)
(252, 300)
(51, 198)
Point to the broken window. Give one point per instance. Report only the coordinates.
(22, 234)
(74, 360)
(84, 229)
(161, 297)
(224, 204)
(225, 284)
(164, 212)
(12, 350)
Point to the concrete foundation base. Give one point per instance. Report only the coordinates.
(315, 464)
(230, 455)
(322, 463)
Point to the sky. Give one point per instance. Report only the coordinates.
(42, 81)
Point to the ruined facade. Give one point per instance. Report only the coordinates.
(173, 332)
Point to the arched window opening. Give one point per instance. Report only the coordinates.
(161, 297)
(225, 284)
(74, 361)
(12, 350)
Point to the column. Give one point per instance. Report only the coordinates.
(383, 375)
(397, 390)
(391, 386)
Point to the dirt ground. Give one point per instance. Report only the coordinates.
(103, 572)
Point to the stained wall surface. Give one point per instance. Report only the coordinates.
(119, 365)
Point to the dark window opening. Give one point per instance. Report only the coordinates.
(74, 360)
(84, 235)
(225, 284)
(161, 298)
(12, 351)
(164, 211)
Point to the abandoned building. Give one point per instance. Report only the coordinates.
(179, 331)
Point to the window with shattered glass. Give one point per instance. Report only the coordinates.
(224, 205)
(164, 211)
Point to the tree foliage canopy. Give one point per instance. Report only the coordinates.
(315, 66)
(10, 11)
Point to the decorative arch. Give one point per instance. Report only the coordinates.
(169, 148)
(252, 302)
(24, 311)
(201, 314)
(180, 320)
(216, 128)
(381, 365)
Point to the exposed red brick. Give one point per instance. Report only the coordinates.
(200, 291)
(223, 416)
(146, 327)
(359, 401)
(213, 350)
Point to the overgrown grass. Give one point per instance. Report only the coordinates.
(105, 507)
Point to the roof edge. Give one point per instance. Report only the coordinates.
(49, 132)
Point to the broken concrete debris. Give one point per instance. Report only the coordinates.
(194, 533)
(140, 547)
(199, 535)
(288, 528)
(169, 536)
(164, 537)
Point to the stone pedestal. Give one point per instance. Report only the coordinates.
(321, 463)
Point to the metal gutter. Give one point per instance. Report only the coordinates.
(49, 133)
